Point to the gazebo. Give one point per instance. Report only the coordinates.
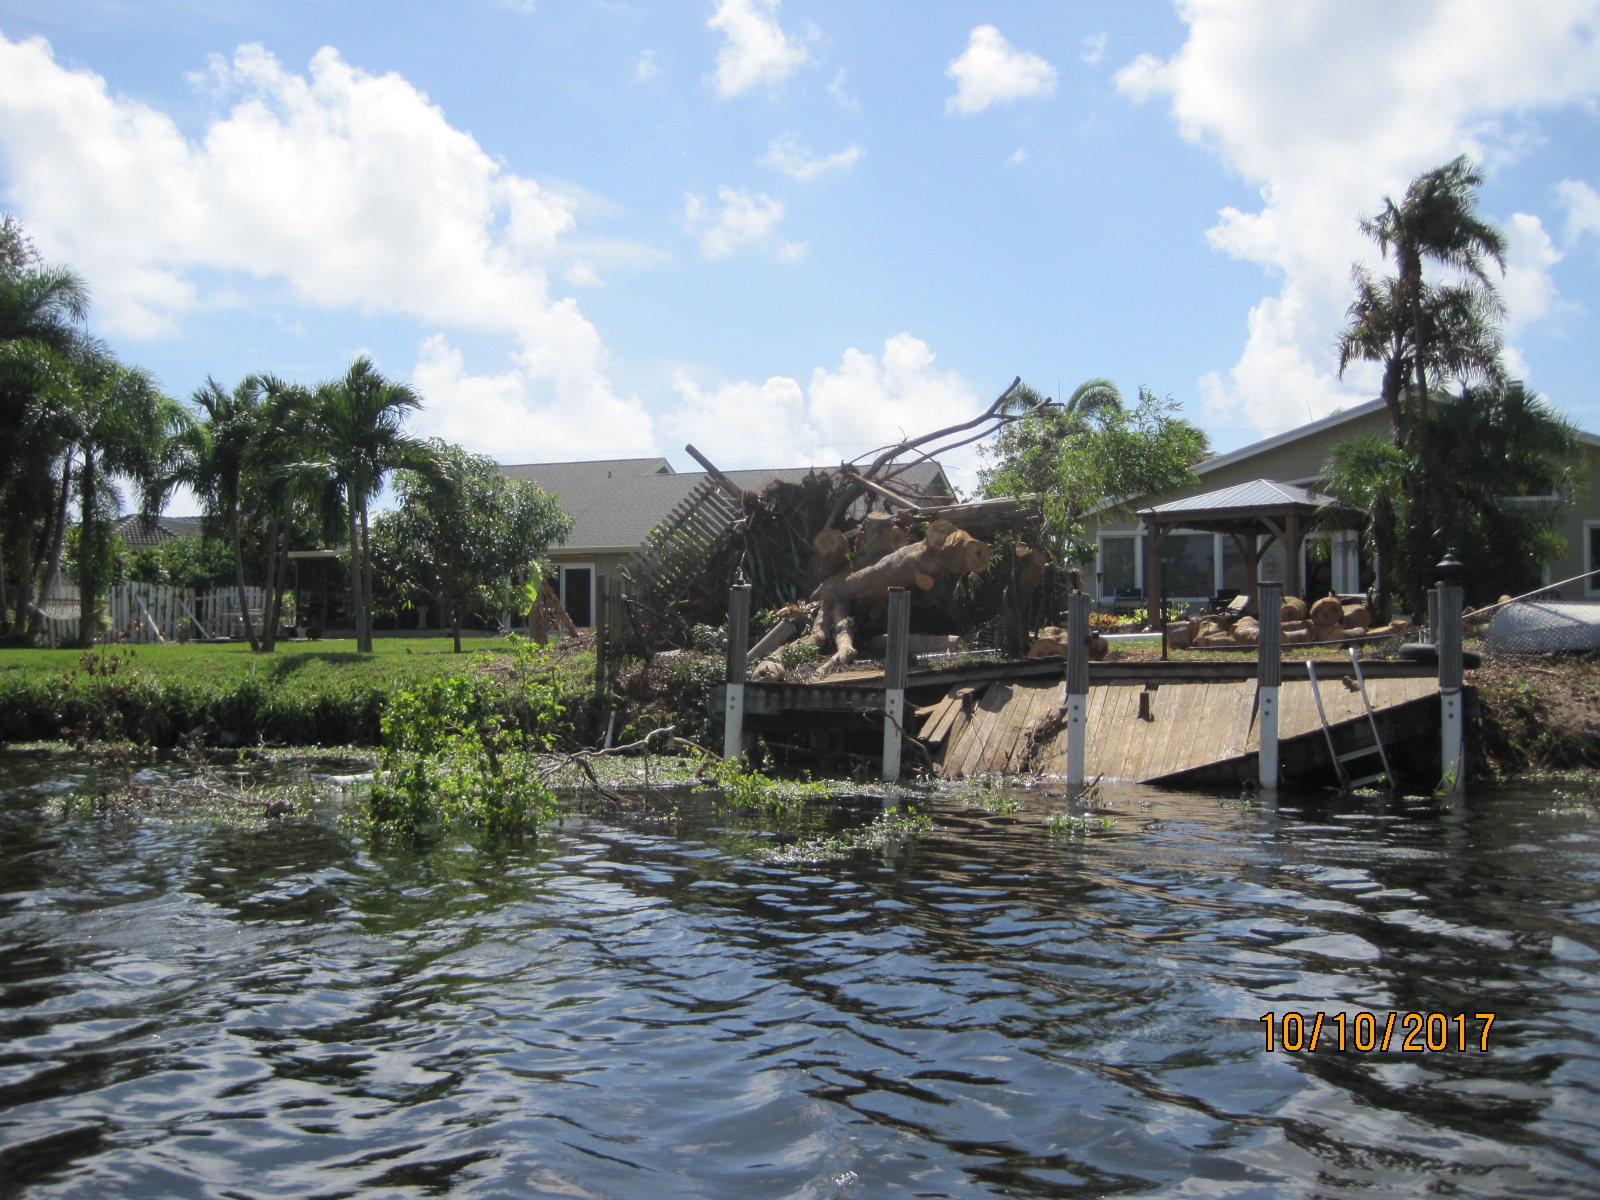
(1245, 511)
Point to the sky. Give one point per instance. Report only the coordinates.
(789, 232)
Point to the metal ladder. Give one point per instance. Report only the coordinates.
(1339, 760)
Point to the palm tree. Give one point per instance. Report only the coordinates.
(1437, 219)
(359, 422)
(120, 425)
(1460, 340)
(280, 479)
(1091, 400)
(42, 310)
(1367, 477)
(213, 459)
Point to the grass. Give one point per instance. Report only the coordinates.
(392, 660)
(306, 693)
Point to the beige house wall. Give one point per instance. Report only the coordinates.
(1300, 461)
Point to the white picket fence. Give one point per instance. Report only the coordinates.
(152, 612)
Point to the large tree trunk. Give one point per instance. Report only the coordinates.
(55, 540)
(269, 622)
(945, 550)
(238, 581)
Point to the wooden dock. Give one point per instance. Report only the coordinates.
(1152, 732)
(1171, 723)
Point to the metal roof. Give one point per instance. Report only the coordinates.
(1257, 494)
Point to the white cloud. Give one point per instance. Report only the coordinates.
(581, 273)
(757, 50)
(1017, 157)
(745, 219)
(525, 413)
(1582, 207)
(791, 156)
(351, 188)
(793, 252)
(741, 424)
(870, 400)
(989, 70)
(1094, 48)
(1327, 113)
(644, 67)
(838, 89)
(1527, 289)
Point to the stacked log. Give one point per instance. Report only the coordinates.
(1053, 642)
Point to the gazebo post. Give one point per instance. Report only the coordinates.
(1154, 602)
(1294, 542)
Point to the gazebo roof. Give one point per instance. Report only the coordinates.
(1237, 509)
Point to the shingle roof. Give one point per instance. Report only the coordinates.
(616, 502)
(137, 531)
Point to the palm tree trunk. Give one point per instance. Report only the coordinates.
(56, 529)
(269, 622)
(86, 580)
(238, 579)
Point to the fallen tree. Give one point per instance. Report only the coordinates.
(944, 550)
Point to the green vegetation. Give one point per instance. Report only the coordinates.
(463, 534)
(276, 466)
(452, 754)
(309, 694)
(891, 828)
(1075, 455)
(1457, 475)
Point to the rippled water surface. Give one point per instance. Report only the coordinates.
(637, 1008)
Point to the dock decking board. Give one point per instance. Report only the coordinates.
(1193, 724)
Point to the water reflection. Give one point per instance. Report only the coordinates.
(630, 1008)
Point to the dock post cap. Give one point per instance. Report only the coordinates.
(1451, 569)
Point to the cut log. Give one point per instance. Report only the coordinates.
(1327, 611)
(1294, 609)
(1354, 615)
(832, 548)
(878, 536)
(954, 553)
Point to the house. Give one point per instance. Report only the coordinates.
(136, 530)
(616, 502)
(1197, 566)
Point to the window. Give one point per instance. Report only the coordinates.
(1235, 576)
(1188, 566)
(1119, 564)
(577, 594)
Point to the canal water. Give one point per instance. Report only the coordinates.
(641, 1007)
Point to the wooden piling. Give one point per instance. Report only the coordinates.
(1452, 757)
(1269, 678)
(738, 645)
(1078, 636)
(894, 680)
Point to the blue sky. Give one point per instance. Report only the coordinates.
(787, 232)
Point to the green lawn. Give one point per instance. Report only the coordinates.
(303, 693)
